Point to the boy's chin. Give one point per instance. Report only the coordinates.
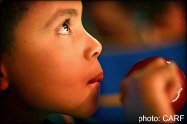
(87, 108)
(85, 112)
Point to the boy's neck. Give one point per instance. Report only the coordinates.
(13, 110)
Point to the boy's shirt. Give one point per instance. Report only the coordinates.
(58, 119)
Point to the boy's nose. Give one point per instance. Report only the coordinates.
(94, 48)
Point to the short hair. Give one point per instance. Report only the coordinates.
(11, 12)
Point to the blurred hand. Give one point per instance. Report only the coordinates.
(144, 92)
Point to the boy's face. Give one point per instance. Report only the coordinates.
(54, 59)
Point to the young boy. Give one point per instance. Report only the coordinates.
(49, 64)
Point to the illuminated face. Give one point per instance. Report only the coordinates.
(54, 63)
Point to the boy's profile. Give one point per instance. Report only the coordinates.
(49, 64)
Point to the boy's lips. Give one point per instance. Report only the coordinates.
(97, 78)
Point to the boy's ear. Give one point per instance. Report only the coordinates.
(4, 83)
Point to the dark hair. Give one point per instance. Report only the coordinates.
(11, 11)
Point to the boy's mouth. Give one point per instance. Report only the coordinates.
(97, 78)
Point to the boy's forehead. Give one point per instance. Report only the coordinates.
(51, 7)
(42, 14)
(53, 4)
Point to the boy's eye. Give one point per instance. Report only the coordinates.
(64, 28)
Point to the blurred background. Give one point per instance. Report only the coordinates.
(130, 31)
(135, 25)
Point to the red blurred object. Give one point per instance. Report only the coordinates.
(180, 98)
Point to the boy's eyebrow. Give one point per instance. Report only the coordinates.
(61, 12)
